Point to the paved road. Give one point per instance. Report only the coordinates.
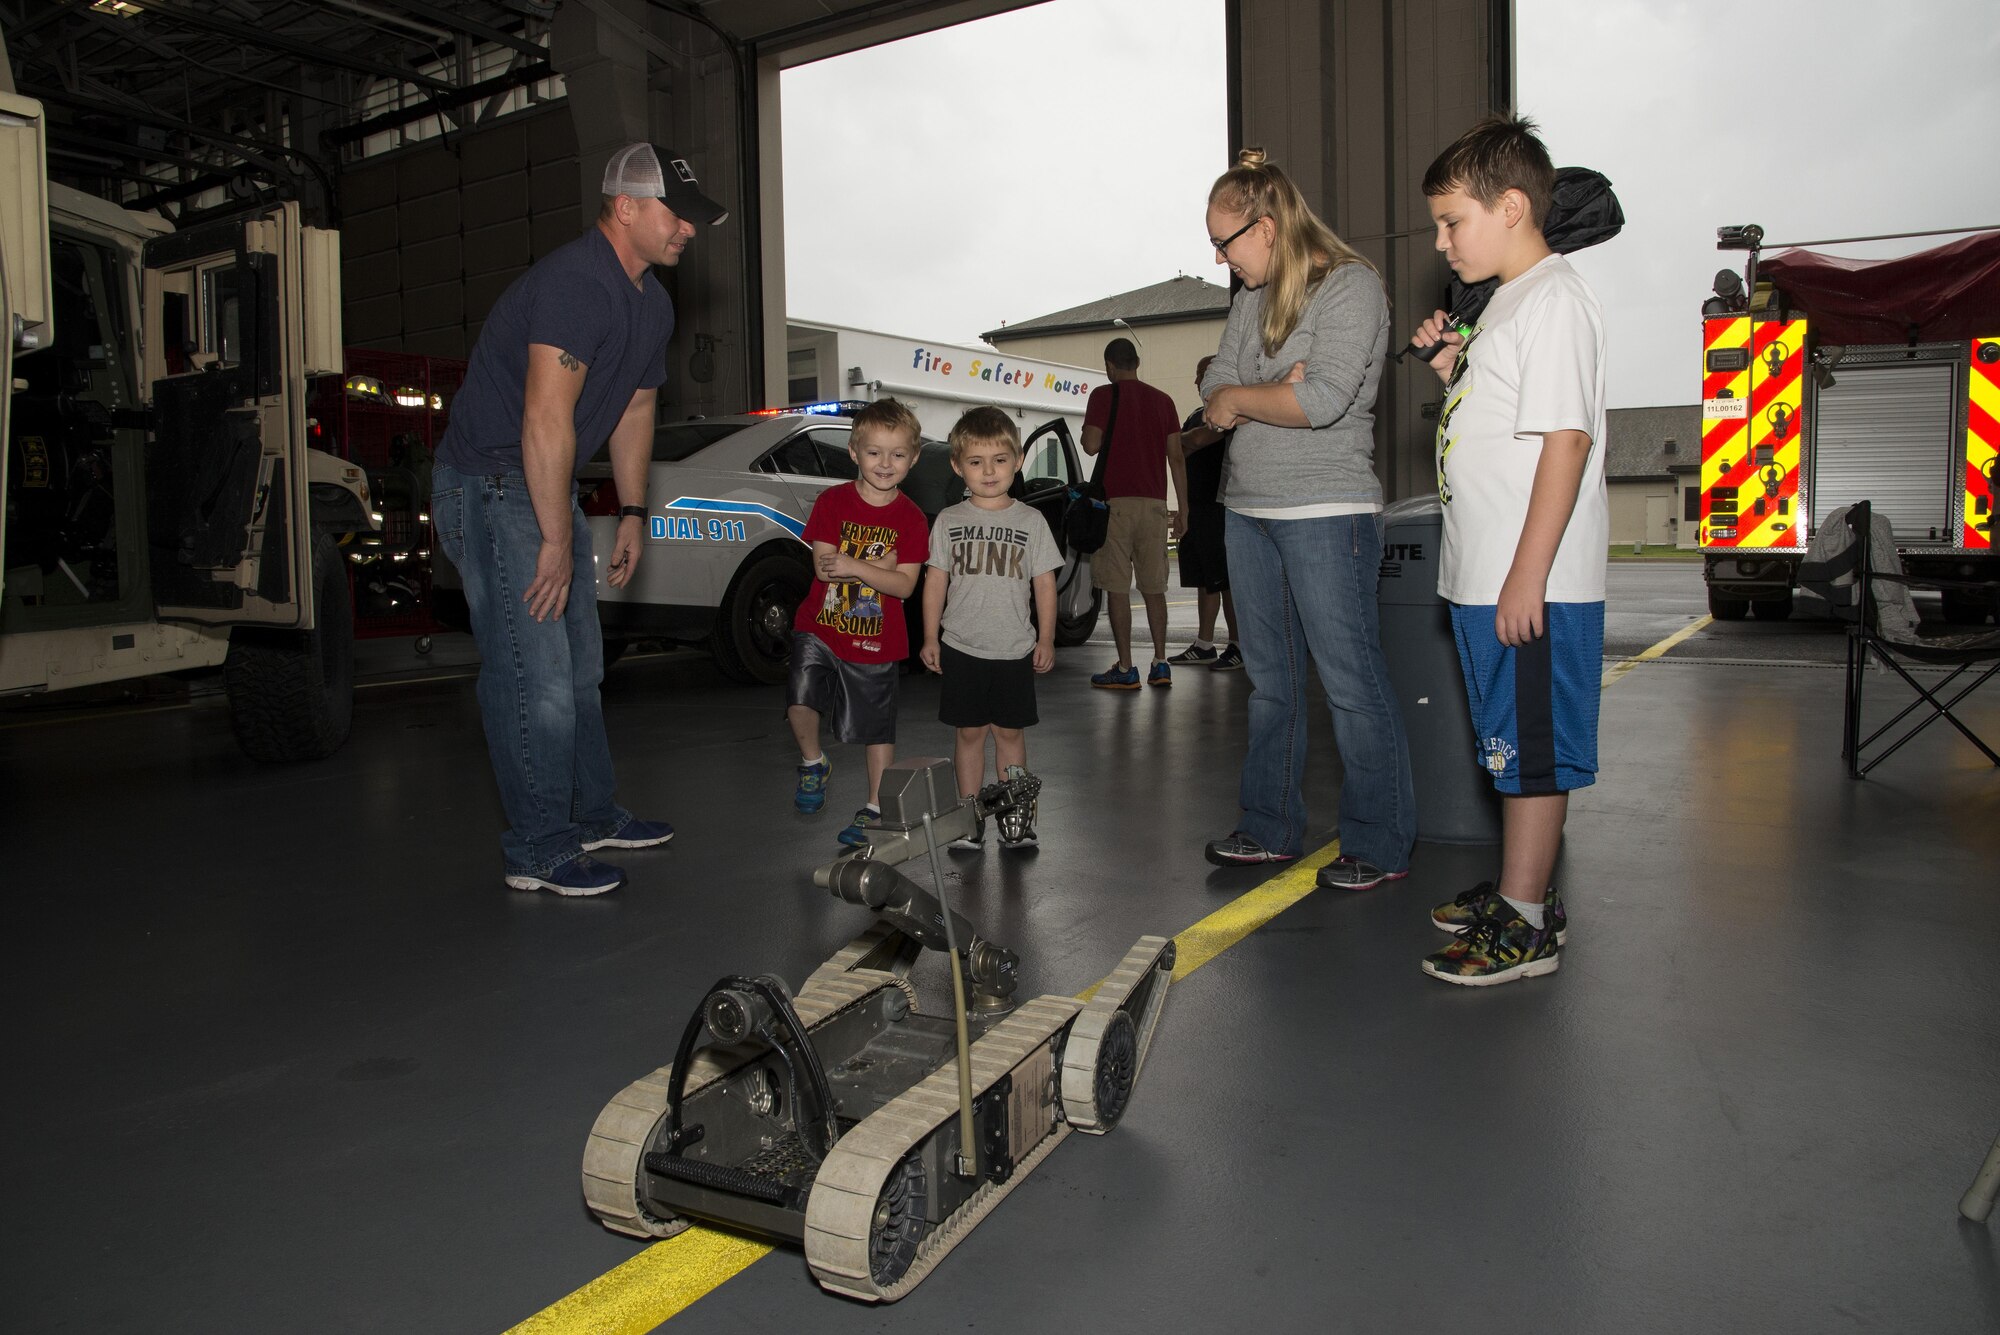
(1645, 602)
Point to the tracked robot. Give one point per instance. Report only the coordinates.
(844, 1118)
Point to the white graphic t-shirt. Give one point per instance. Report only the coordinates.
(1534, 364)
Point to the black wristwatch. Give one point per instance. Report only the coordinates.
(632, 511)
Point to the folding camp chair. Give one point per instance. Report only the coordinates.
(1886, 630)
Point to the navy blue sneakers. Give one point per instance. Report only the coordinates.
(581, 875)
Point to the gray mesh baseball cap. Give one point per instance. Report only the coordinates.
(647, 171)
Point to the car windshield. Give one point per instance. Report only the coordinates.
(931, 483)
(678, 440)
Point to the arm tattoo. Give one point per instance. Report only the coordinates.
(568, 362)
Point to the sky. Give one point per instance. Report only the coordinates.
(1000, 170)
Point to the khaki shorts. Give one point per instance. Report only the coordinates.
(1134, 547)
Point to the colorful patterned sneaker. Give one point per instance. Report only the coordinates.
(1240, 850)
(1115, 678)
(974, 842)
(1462, 912)
(634, 833)
(1497, 947)
(581, 875)
(1351, 873)
(1230, 660)
(856, 834)
(811, 794)
(1196, 653)
(1160, 675)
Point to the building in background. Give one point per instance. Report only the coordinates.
(1175, 324)
(1652, 470)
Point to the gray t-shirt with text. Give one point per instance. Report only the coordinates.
(992, 557)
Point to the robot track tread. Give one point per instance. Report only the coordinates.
(841, 1209)
(618, 1139)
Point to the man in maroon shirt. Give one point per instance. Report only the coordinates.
(1144, 442)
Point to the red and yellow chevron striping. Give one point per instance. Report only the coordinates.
(1725, 427)
(1982, 444)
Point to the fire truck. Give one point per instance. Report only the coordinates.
(1827, 381)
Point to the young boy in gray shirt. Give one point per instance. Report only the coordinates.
(990, 554)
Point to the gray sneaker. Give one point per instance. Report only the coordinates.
(1351, 873)
(1240, 850)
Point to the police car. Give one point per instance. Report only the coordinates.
(727, 500)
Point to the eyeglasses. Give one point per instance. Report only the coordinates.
(1222, 246)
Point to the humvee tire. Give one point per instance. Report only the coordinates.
(291, 693)
(752, 639)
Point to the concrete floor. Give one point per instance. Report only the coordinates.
(290, 1059)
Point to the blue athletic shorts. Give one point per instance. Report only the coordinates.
(1534, 706)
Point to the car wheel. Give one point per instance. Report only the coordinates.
(1072, 631)
(752, 639)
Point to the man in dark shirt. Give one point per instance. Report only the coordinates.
(1142, 446)
(1204, 565)
(570, 357)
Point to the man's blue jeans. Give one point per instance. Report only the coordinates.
(538, 680)
(1307, 586)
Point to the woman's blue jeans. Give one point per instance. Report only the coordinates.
(538, 680)
(1307, 586)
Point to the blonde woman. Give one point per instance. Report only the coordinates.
(1295, 378)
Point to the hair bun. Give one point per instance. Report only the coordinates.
(1250, 157)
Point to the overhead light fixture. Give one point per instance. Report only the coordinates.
(124, 9)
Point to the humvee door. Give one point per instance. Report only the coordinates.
(24, 255)
(237, 314)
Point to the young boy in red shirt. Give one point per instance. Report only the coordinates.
(869, 544)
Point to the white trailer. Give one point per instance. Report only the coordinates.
(938, 380)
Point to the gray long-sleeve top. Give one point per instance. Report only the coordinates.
(1342, 337)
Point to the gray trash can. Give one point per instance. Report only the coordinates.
(1456, 803)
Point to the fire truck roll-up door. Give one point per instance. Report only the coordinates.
(228, 347)
(1884, 434)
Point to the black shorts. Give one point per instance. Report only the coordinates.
(979, 691)
(1204, 560)
(859, 697)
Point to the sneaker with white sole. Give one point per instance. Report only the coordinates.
(1240, 850)
(1469, 907)
(974, 842)
(634, 833)
(581, 875)
(1197, 654)
(1498, 947)
(1229, 660)
(1352, 873)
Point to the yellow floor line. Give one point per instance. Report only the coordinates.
(1617, 670)
(671, 1275)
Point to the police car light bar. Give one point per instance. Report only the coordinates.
(831, 408)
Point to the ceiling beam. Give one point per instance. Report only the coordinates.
(312, 53)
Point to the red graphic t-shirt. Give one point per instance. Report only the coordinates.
(857, 621)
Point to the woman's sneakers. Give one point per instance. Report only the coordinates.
(1240, 850)
(1352, 873)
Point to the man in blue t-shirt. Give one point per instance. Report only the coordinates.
(570, 357)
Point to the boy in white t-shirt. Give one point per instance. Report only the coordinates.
(1520, 459)
(992, 558)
